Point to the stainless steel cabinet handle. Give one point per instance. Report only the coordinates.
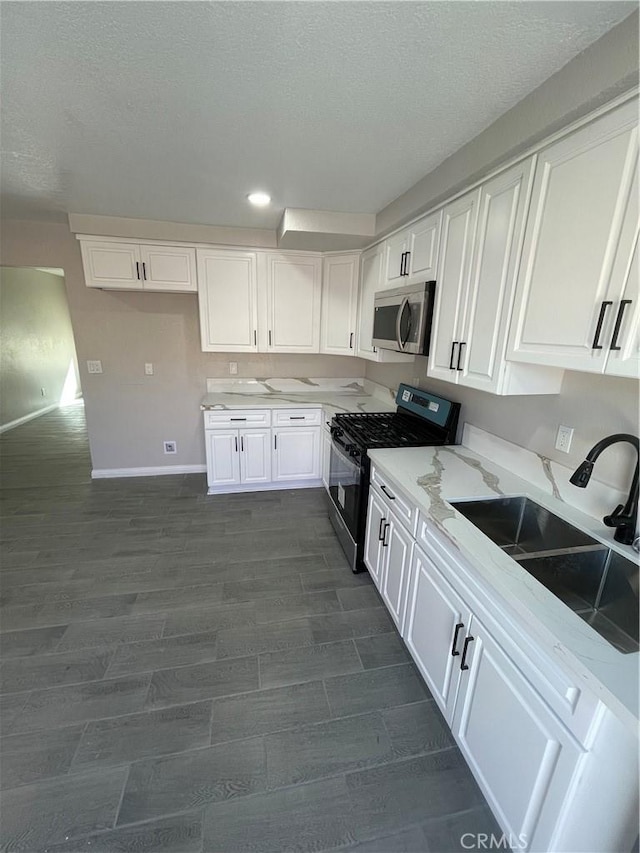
(463, 662)
(618, 323)
(387, 492)
(454, 344)
(454, 651)
(596, 338)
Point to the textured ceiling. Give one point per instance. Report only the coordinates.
(174, 111)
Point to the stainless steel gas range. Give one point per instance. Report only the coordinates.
(421, 419)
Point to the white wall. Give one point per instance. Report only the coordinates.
(36, 341)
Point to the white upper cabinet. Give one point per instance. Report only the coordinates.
(579, 250)
(339, 304)
(113, 265)
(481, 247)
(452, 285)
(422, 248)
(170, 268)
(293, 303)
(412, 254)
(227, 293)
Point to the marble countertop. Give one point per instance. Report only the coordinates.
(332, 396)
(431, 477)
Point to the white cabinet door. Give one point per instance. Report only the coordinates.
(623, 357)
(422, 245)
(580, 193)
(398, 545)
(294, 287)
(370, 278)
(171, 268)
(255, 456)
(435, 627)
(223, 457)
(339, 304)
(296, 453)
(377, 514)
(521, 755)
(113, 266)
(227, 295)
(394, 260)
(497, 247)
(454, 268)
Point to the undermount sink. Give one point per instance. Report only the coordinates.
(597, 583)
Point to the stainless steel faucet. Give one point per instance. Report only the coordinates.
(623, 518)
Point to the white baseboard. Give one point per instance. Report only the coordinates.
(277, 486)
(107, 473)
(23, 420)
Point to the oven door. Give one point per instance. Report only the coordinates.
(345, 485)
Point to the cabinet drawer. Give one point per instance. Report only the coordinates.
(405, 512)
(225, 418)
(297, 417)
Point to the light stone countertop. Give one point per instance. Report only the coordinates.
(431, 477)
(332, 396)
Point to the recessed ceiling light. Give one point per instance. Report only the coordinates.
(259, 199)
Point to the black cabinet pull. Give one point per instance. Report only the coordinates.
(144, 271)
(387, 493)
(138, 269)
(237, 419)
(380, 530)
(462, 344)
(454, 651)
(407, 255)
(402, 263)
(467, 640)
(384, 535)
(275, 442)
(454, 344)
(269, 337)
(596, 337)
(351, 341)
(236, 444)
(242, 443)
(616, 328)
(255, 338)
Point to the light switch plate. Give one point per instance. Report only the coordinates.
(148, 369)
(233, 367)
(94, 366)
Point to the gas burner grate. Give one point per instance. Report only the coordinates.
(387, 429)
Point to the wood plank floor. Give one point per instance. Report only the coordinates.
(193, 674)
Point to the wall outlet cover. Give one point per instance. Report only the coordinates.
(148, 368)
(170, 447)
(563, 438)
(233, 367)
(94, 366)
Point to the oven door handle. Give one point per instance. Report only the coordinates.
(404, 304)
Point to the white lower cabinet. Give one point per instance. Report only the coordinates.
(388, 555)
(543, 749)
(296, 453)
(238, 456)
(247, 450)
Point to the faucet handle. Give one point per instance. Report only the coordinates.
(616, 518)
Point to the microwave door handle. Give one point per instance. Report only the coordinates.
(404, 343)
(401, 345)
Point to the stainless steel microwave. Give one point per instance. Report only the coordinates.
(402, 318)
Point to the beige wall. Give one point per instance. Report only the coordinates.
(36, 341)
(129, 414)
(607, 68)
(594, 405)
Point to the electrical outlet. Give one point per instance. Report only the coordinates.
(563, 439)
(148, 369)
(233, 367)
(170, 447)
(94, 366)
